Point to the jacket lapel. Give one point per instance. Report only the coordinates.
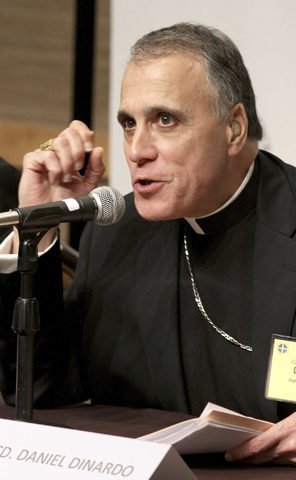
(157, 311)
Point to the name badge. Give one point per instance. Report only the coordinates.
(281, 377)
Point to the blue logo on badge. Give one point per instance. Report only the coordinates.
(282, 348)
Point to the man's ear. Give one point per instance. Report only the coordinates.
(237, 129)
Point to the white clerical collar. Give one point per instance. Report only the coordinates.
(193, 221)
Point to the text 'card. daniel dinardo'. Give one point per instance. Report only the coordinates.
(281, 378)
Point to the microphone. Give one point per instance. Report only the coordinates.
(103, 205)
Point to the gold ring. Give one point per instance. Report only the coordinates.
(47, 145)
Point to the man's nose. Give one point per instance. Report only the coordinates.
(142, 146)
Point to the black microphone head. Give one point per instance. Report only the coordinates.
(111, 205)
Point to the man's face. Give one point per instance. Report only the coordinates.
(175, 147)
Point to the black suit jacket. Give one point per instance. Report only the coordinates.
(9, 181)
(119, 341)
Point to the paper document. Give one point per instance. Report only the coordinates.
(216, 430)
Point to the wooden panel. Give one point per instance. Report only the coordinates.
(101, 74)
(36, 60)
(36, 73)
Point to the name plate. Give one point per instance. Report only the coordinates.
(281, 378)
(32, 451)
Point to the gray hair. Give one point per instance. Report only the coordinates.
(227, 76)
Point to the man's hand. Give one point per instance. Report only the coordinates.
(49, 176)
(277, 445)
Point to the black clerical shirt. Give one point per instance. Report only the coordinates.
(222, 262)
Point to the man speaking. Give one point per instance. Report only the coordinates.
(176, 304)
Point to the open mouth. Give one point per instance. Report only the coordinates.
(147, 186)
(145, 182)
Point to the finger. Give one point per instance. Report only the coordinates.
(85, 133)
(287, 460)
(256, 445)
(279, 441)
(70, 149)
(95, 168)
(279, 455)
(269, 456)
(45, 162)
(248, 450)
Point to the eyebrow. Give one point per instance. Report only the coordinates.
(122, 114)
(178, 114)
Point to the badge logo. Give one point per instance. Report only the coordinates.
(282, 348)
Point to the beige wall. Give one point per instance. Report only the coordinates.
(36, 73)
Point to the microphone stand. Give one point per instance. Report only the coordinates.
(26, 320)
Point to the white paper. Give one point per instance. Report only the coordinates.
(207, 435)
